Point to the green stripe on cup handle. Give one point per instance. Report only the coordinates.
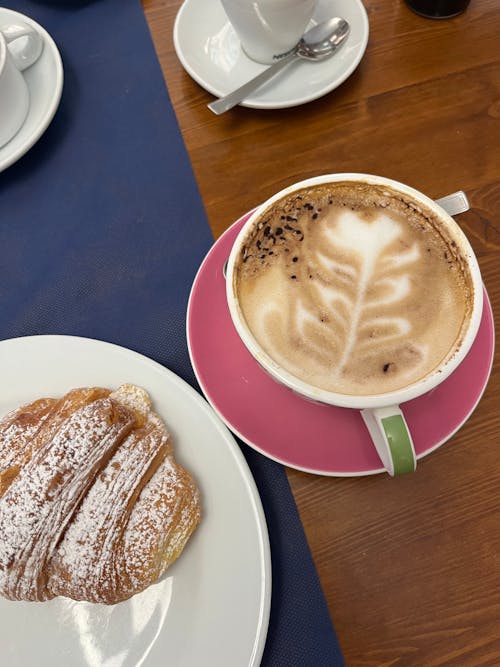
(392, 439)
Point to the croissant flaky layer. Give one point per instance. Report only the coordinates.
(93, 505)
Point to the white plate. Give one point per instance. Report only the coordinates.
(212, 605)
(210, 52)
(45, 82)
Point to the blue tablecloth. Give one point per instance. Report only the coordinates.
(102, 230)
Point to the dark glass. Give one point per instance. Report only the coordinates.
(438, 9)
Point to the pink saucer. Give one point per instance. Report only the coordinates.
(287, 428)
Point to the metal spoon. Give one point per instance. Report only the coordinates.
(318, 43)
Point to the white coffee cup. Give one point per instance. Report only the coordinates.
(269, 28)
(20, 46)
(381, 412)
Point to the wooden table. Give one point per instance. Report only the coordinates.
(410, 566)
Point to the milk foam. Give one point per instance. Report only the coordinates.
(353, 291)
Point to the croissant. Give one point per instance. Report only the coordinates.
(93, 505)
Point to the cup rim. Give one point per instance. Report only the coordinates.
(395, 397)
(3, 52)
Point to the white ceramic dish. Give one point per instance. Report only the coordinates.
(212, 605)
(45, 83)
(210, 52)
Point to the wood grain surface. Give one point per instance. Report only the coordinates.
(410, 566)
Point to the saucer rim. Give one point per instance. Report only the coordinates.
(58, 81)
(283, 461)
(253, 101)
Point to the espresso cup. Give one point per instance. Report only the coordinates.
(20, 46)
(356, 291)
(268, 29)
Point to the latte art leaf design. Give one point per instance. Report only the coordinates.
(350, 300)
(353, 288)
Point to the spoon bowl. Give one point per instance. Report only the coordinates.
(323, 39)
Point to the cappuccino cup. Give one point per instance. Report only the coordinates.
(268, 29)
(356, 291)
(20, 46)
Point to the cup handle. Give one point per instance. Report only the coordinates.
(392, 439)
(25, 53)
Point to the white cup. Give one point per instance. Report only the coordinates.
(20, 46)
(381, 412)
(269, 28)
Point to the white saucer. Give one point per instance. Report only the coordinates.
(210, 52)
(45, 82)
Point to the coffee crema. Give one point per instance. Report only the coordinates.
(354, 288)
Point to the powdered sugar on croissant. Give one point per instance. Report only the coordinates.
(93, 505)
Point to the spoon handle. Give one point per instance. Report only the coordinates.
(455, 203)
(232, 99)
